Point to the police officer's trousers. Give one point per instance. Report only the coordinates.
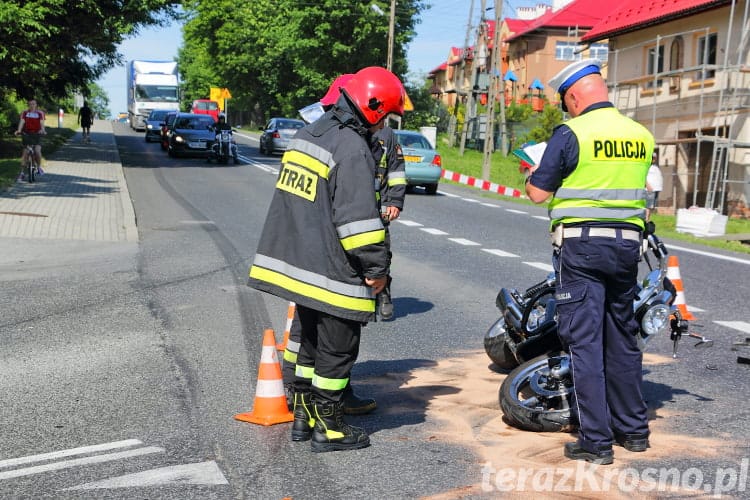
(328, 349)
(596, 286)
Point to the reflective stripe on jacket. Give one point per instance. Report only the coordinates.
(390, 182)
(323, 234)
(608, 184)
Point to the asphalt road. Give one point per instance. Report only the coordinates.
(149, 349)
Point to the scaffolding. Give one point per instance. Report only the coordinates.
(705, 105)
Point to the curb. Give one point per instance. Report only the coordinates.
(481, 184)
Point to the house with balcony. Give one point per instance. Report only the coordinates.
(682, 69)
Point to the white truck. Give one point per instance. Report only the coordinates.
(151, 85)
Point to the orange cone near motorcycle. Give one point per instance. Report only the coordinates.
(536, 393)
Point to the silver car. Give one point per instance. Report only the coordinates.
(277, 133)
(153, 124)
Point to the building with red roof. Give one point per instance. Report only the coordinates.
(682, 68)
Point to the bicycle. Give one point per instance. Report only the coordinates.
(31, 168)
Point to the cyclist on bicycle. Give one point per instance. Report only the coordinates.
(31, 129)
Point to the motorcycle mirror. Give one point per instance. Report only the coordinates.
(702, 341)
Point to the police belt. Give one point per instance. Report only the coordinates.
(601, 232)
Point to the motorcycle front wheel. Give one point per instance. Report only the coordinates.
(536, 395)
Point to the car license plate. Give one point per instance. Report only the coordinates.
(413, 159)
(197, 145)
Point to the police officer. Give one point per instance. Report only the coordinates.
(595, 169)
(323, 247)
(390, 187)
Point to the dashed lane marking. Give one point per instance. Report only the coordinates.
(432, 230)
(515, 211)
(465, 242)
(43, 457)
(77, 462)
(540, 217)
(409, 223)
(541, 265)
(205, 473)
(499, 253)
(742, 326)
(471, 200)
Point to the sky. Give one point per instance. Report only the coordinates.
(443, 26)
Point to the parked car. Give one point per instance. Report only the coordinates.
(191, 134)
(153, 124)
(206, 107)
(423, 164)
(165, 125)
(276, 134)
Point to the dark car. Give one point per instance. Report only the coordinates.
(423, 164)
(277, 133)
(153, 124)
(191, 134)
(165, 124)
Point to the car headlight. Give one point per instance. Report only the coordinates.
(149, 126)
(178, 138)
(655, 319)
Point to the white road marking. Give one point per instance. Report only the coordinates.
(462, 241)
(407, 222)
(65, 464)
(541, 217)
(471, 200)
(541, 265)
(742, 326)
(695, 309)
(515, 211)
(432, 230)
(199, 473)
(450, 195)
(499, 253)
(54, 455)
(709, 254)
(491, 205)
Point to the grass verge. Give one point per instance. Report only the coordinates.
(10, 148)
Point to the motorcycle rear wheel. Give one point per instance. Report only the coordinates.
(496, 347)
(533, 398)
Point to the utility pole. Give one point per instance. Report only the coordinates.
(470, 100)
(456, 80)
(495, 67)
(391, 36)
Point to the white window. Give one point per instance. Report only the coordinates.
(706, 48)
(599, 51)
(567, 51)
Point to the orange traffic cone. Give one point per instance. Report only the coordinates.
(270, 401)
(673, 273)
(289, 318)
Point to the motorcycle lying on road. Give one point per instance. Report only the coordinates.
(536, 394)
(223, 148)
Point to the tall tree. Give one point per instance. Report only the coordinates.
(49, 48)
(282, 54)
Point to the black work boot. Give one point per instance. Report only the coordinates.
(331, 433)
(385, 305)
(289, 393)
(574, 451)
(303, 419)
(354, 405)
(632, 442)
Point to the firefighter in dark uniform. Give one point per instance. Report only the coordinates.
(323, 247)
(595, 169)
(353, 404)
(390, 187)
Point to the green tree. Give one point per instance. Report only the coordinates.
(50, 48)
(281, 55)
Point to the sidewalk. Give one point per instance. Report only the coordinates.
(81, 196)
